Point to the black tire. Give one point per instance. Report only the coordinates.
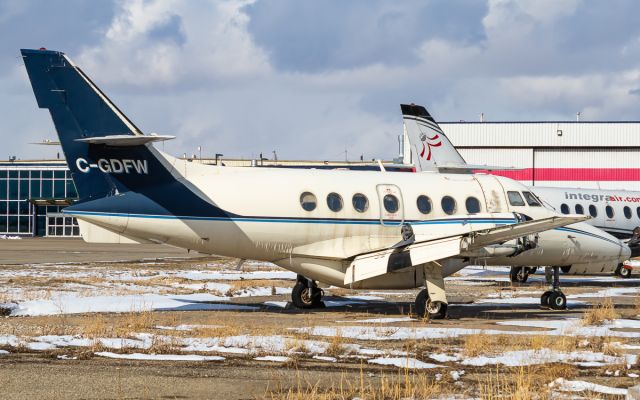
(544, 299)
(519, 274)
(425, 308)
(532, 270)
(625, 273)
(557, 301)
(305, 297)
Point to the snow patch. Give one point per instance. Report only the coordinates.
(402, 362)
(581, 386)
(159, 357)
(273, 358)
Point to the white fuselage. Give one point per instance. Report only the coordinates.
(266, 220)
(614, 211)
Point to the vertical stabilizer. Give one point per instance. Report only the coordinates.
(430, 147)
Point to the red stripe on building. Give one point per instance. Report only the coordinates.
(571, 174)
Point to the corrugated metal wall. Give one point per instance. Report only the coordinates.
(543, 134)
(563, 154)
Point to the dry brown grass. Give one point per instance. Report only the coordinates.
(602, 312)
(474, 345)
(403, 385)
(337, 346)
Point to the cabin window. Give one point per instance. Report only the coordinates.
(424, 204)
(564, 208)
(593, 211)
(515, 199)
(609, 211)
(334, 202)
(448, 205)
(391, 203)
(360, 202)
(627, 212)
(532, 200)
(308, 201)
(579, 209)
(638, 211)
(473, 205)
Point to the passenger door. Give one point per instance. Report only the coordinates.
(493, 193)
(391, 205)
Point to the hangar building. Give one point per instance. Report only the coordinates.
(582, 154)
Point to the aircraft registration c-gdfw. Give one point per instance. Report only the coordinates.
(356, 229)
(615, 212)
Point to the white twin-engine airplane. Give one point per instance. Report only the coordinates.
(354, 229)
(616, 212)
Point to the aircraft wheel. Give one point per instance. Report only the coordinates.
(557, 301)
(519, 274)
(306, 297)
(544, 299)
(624, 272)
(425, 308)
(532, 270)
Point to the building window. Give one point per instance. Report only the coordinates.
(424, 204)
(360, 202)
(593, 211)
(609, 211)
(473, 205)
(579, 209)
(515, 199)
(564, 208)
(334, 202)
(391, 203)
(627, 212)
(308, 201)
(60, 225)
(448, 205)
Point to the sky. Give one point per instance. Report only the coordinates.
(323, 79)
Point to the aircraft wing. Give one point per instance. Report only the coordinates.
(389, 260)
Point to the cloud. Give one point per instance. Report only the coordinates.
(311, 79)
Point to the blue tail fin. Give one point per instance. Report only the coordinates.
(80, 111)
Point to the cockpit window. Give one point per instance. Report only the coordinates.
(532, 200)
(515, 199)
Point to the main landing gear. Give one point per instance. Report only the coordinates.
(431, 303)
(554, 298)
(428, 309)
(306, 294)
(521, 274)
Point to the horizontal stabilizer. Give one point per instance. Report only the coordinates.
(125, 140)
(370, 265)
(475, 167)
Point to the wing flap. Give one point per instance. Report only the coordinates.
(386, 261)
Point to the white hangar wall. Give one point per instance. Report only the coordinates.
(574, 154)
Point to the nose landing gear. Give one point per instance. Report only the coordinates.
(306, 294)
(554, 298)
